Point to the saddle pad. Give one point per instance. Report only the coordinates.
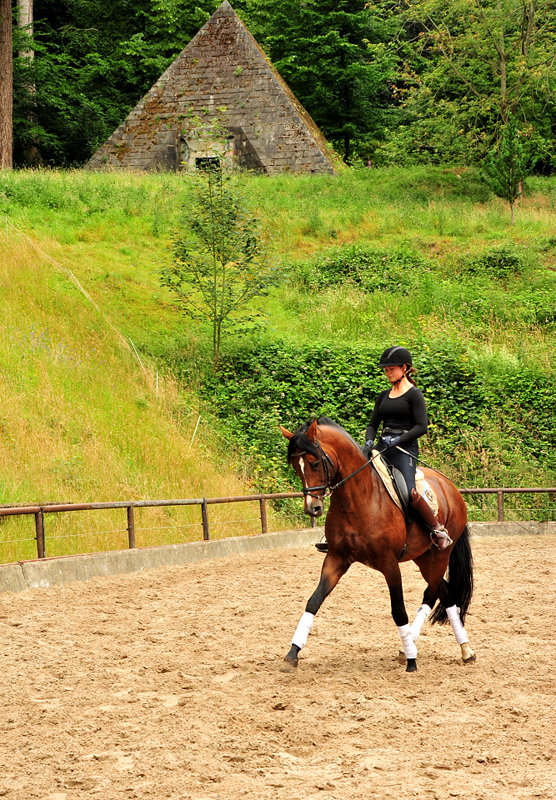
(421, 484)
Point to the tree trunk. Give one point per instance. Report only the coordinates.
(6, 84)
(25, 20)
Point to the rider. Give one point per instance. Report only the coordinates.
(403, 413)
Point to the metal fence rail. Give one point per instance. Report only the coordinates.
(39, 511)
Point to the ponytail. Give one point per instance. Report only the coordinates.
(410, 373)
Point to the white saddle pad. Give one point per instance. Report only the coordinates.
(421, 484)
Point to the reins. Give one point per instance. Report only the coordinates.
(328, 487)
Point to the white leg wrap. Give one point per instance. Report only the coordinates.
(459, 631)
(409, 648)
(303, 630)
(420, 619)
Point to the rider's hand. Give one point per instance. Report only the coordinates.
(390, 441)
(368, 448)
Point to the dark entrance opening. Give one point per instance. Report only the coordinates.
(208, 163)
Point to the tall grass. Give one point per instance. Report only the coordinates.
(81, 420)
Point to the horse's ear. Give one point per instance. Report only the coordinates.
(285, 432)
(312, 431)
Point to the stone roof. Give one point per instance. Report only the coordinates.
(222, 67)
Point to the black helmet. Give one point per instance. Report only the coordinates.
(395, 357)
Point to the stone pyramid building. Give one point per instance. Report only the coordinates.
(222, 73)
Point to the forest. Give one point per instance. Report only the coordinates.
(391, 82)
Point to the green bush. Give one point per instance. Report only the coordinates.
(374, 269)
(499, 262)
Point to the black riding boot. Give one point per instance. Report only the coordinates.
(439, 534)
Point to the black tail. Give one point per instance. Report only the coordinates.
(460, 580)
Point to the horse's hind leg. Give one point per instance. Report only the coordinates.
(432, 566)
(453, 614)
(332, 570)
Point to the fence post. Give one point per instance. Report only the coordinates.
(39, 529)
(131, 527)
(313, 522)
(500, 506)
(204, 512)
(262, 502)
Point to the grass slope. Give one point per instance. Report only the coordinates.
(82, 419)
(64, 363)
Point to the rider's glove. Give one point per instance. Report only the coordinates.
(368, 448)
(390, 441)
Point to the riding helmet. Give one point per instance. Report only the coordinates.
(395, 357)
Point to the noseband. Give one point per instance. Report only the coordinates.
(325, 461)
(328, 488)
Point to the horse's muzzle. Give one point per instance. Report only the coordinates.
(314, 508)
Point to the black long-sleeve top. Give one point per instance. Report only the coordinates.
(408, 412)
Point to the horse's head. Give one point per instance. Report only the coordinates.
(314, 467)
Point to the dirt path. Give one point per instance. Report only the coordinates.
(166, 685)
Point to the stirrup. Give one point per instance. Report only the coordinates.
(445, 540)
(322, 547)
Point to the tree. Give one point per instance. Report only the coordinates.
(470, 65)
(219, 263)
(507, 165)
(6, 89)
(332, 55)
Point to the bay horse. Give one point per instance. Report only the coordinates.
(364, 524)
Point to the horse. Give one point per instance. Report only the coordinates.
(364, 525)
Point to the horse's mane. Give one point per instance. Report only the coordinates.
(300, 440)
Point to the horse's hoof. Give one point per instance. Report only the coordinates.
(289, 664)
(401, 658)
(470, 660)
(411, 665)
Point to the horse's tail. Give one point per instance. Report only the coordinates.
(460, 579)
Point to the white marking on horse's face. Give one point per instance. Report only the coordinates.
(313, 505)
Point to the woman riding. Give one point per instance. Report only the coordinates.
(403, 413)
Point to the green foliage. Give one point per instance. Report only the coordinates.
(483, 428)
(373, 269)
(333, 55)
(465, 67)
(258, 388)
(499, 262)
(507, 165)
(219, 265)
(93, 62)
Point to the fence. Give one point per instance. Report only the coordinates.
(39, 511)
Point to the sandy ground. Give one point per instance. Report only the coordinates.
(166, 684)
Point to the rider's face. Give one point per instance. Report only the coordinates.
(394, 373)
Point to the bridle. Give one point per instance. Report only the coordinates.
(328, 487)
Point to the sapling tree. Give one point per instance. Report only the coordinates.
(507, 165)
(220, 262)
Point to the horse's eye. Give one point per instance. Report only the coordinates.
(313, 464)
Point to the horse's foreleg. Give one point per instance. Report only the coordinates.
(399, 614)
(332, 570)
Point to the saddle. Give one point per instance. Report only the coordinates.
(395, 485)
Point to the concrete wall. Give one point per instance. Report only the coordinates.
(50, 571)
